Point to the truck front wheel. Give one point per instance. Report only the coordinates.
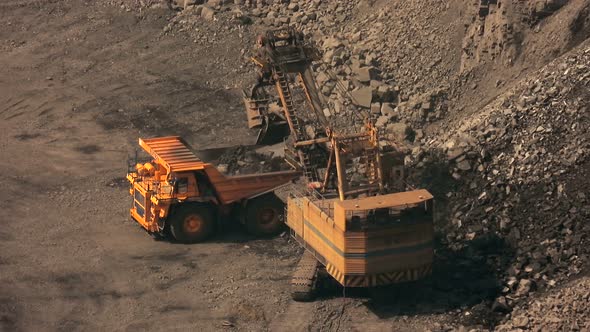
(265, 215)
(192, 223)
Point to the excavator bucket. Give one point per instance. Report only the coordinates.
(272, 129)
(254, 111)
(272, 132)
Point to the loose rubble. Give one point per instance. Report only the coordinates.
(242, 160)
(520, 168)
(565, 309)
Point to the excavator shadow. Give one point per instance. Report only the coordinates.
(464, 279)
(230, 230)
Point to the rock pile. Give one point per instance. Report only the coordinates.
(565, 309)
(521, 168)
(541, 9)
(498, 32)
(357, 74)
(386, 59)
(241, 160)
(378, 54)
(359, 29)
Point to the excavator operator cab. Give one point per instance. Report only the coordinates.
(369, 219)
(379, 216)
(359, 219)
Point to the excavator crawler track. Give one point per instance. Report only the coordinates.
(304, 282)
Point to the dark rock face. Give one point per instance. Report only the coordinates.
(531, 164)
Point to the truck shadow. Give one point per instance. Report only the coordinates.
(280, 246)
(464, 281)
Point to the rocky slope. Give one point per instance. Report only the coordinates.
(520, 171)
(565, 309)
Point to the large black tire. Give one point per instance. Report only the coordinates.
(192, 223)
(265, 215)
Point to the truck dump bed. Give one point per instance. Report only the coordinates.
(175, 155)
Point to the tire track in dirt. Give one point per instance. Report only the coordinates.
(46, 111)
(11, 106)
(16, 115)
(40, 106)
(10, 314)
(296, 318)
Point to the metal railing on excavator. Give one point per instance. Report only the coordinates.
(314, 145)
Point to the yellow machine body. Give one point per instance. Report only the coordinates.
(366, 242)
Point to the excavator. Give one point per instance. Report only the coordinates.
(353, 216)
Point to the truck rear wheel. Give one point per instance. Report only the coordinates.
(265, 215)
(192, 223)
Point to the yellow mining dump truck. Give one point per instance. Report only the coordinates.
(178, 194)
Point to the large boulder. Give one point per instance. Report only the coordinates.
(362, 97)
(398, 131)
(332, 43)
(376, 108)
(387, 109)
(207, 13)
(365, 74)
